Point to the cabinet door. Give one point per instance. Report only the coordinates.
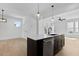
(63, 40)
(56, 44)
(60, 42)
(48, 45)
(31, 47)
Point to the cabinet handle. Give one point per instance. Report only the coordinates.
(47, 40)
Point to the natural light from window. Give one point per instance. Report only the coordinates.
(72, 27)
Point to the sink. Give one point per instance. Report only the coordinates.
(53, 34)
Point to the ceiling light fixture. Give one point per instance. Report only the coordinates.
(3, 19)
(52, 6)
(61, 19)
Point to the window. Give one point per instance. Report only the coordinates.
(70, 26)
(76, 26)
(18, 24)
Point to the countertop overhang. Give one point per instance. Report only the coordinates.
(39, 37)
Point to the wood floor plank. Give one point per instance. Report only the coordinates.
(13, 47)
(71, 47)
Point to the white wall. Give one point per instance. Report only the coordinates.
(59, 27)
(29, 24)
(29, 27)
(62, 27)
(45, 23)
(8, 30)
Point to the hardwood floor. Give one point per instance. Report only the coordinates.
(18, 47)
(71, 47)
(13, 47)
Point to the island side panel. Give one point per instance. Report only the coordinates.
(31, 47)
(40, 47)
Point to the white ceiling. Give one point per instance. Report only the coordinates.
(30, 9)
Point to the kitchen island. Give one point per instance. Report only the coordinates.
(44, 45)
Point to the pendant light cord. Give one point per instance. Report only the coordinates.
(2, 14)
(38, 8)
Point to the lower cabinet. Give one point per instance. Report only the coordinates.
(48, 47)
(59, 42)
(42, 47)
(56, 45)
(45, 47)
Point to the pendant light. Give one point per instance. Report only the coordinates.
(3, 19)
(52, 13)
(37, 21)
(38, 12)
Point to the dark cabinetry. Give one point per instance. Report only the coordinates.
(46, 46)
(42, 47)
(31, 47)
(59, 42)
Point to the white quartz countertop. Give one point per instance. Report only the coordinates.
(38, 37)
